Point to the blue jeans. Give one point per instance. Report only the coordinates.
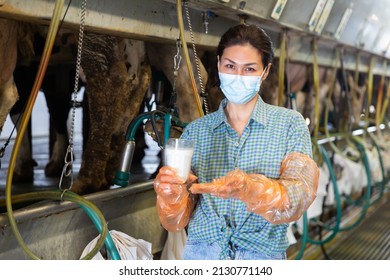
(212, 251)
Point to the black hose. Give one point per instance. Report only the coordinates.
(153, 123)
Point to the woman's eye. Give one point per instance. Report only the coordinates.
(229, 66)
(250, 69)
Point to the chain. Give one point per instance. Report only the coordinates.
(68, 166)
(203, 93)
(176, 66)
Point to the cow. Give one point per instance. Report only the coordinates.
(56, 86)
(8, 56)
(117, 73)
(14, 41)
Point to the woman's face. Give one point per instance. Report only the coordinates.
(241, 60)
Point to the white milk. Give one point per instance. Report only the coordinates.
(179, 158)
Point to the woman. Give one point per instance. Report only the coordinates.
(252, 162)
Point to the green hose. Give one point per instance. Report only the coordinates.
(90, 209)
(366, 199)
(335, 229)
(367, 194)
(109, 242)
(305, 236)
(384, 179)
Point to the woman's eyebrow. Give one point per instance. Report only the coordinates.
(245, 64)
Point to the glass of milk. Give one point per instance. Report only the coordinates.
(178, 154)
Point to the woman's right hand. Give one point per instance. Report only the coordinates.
(174, 202)
(169, 186)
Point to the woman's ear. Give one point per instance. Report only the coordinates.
(218, 62)
(267, 71)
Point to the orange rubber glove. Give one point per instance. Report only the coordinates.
(278, 201)
(174, 202)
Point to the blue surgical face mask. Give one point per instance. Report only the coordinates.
(240, 89)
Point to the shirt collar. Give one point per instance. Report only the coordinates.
(259, 113)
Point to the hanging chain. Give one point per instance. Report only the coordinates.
(203, 93)
(67, 170)
(176, 66)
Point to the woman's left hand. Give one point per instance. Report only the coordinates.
(234, 184)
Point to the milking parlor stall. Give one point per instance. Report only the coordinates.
(330, 64)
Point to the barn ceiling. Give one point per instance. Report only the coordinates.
(353, 25)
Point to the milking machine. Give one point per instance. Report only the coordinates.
(169, 117)
(334, 226)
(364, 201)
(122, 176)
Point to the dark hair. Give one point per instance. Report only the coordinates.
(248, 34)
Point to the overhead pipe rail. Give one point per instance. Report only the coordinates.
(140, 21)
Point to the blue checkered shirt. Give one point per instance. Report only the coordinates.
(271, 133)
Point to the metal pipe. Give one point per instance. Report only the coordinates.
(127, 156)
(122, 176)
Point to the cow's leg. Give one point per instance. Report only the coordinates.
(8, 55)
(96, 153)
(8, 97)
(107, 83)
(140, 75)
(58, 96)
(24, 165)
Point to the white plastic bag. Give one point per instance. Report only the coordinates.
(128, 247)
(174, 245)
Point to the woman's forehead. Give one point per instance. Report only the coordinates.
(241, 54)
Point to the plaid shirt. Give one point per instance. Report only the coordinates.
(272, 133)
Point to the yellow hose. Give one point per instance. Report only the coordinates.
(356, 78)
(94, 213)
(370, 82)
(380, 98)
(282, 60)
(327, 106)
(26, 116)
(91, 209)
(385, 104)
(328, 102)
(316, 88)
(187, 57)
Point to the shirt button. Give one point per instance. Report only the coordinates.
(236, 144)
